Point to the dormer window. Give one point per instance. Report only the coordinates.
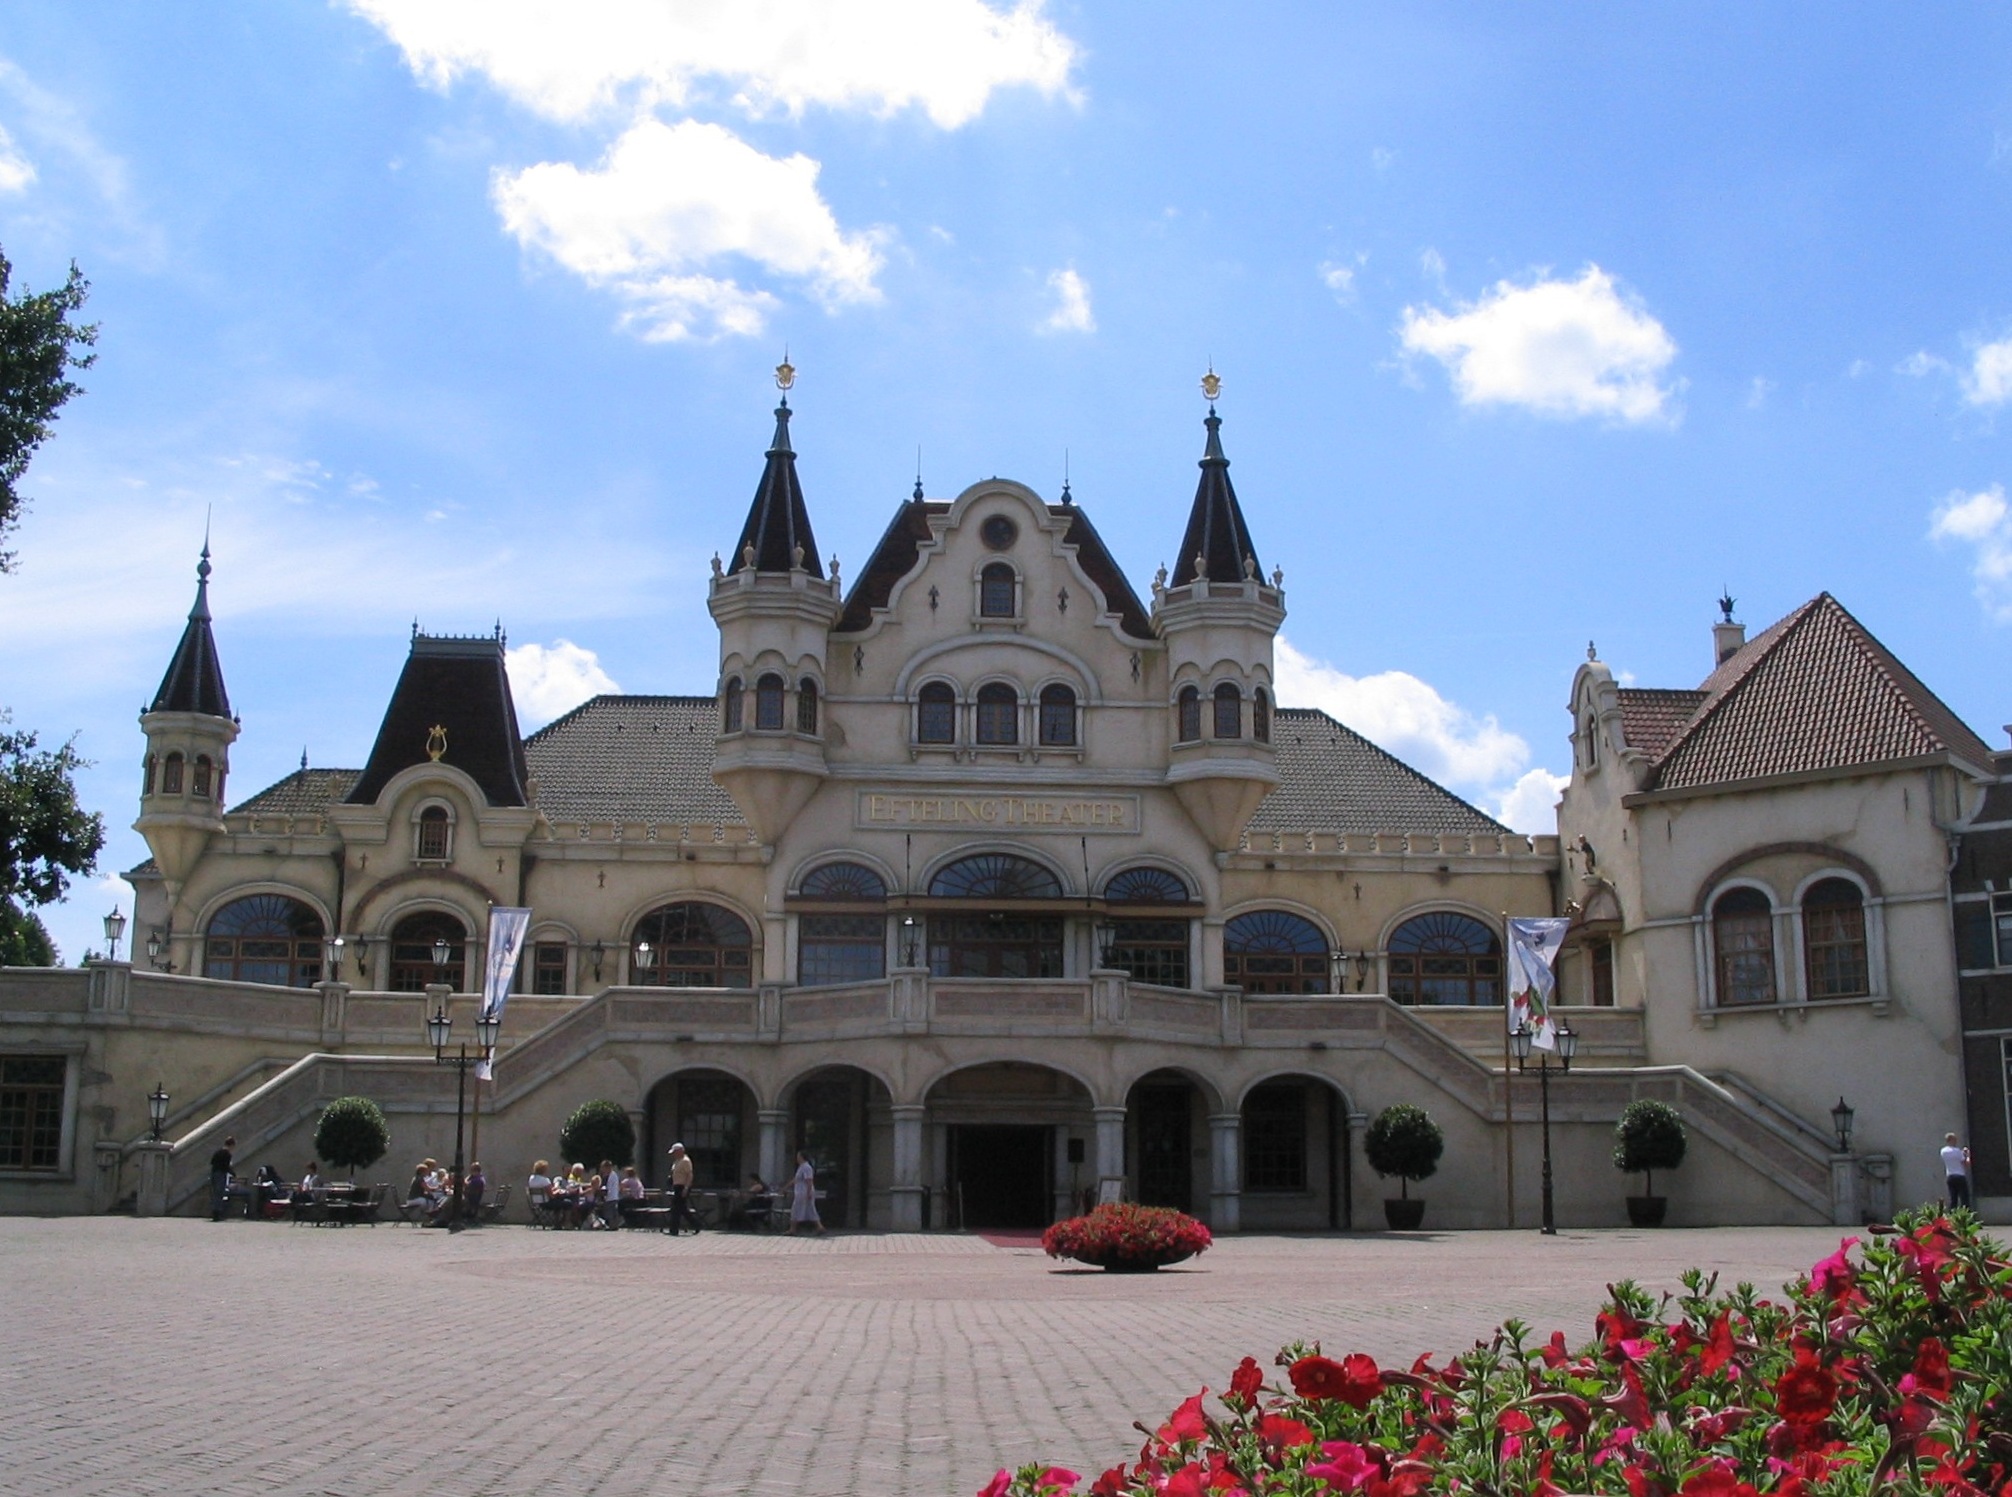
(1229, 712)
(806, 706)
(1190, 715)
(998, 715)
(147, 785)
(1058, 717)
(199, 782)
(171, 775)
(431, 841)
(936, 714)
(768, 704)
(730, 706)
(996, 585)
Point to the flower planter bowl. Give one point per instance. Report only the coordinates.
(1647, 1211)
(1404, 1214)
(1127, 1239)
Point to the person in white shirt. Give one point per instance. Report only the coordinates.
(311, 1183)
(1956, 1170)
(539, 1186)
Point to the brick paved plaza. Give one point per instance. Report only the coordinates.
(183, 1357)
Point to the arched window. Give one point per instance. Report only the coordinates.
(1833, 935)
(768, 703)
(998, 714)
(1261, 715)
(995, 591)
(265, 938)
(1190, 715)
(431, 844)
(691, 945)
(1229, 712)
(412, 941)
(1445, 958)
(171, 775)
(1272, 951)
(1743, 941)
(730, 706)
(147, 786)
(842, 881)
(1058, 717)
(1146, 886)
(806, 706)
(199, 781)
(936, 714)
(995, 876)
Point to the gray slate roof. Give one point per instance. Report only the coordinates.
(650, 759)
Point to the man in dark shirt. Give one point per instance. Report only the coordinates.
(220, 1178)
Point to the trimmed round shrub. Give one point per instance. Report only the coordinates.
(598, 1130)
(1649, 1137)
(1123, 1236)
(352, 1134)
(1405, 1142)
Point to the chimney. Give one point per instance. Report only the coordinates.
(1727, 636)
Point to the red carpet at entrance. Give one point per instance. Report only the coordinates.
(1013, 1237)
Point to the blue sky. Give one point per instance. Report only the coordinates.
(1534, 329)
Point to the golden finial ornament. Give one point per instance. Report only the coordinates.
(785, 373)
(1212, 385)
(436, 743)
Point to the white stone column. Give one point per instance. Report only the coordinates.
(774, 1123)
(1110, 1152)
(1843, 1191)
(153, 1197)
(904, 1196)
(1226, 1159)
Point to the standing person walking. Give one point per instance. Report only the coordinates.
(220, 1177)
(681, 1189)
(1956, 1170)
(803, 1196)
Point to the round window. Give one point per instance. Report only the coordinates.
(999, 533)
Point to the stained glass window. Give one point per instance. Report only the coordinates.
(1445, 958)
(265, 938)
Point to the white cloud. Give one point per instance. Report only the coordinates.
(1990, 378)
(1982, 521)
(547, 680)
(1758, 391)
(1072, 305)
(1340, 279)
(572, 62)
(670, 202)
(1921, 363)
(17, 172)
(1531, 804)
(1858, 369)
(1558, 348)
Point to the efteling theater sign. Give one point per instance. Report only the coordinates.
(1025, 813)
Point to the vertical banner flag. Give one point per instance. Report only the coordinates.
(507, 926)
(1533, 950)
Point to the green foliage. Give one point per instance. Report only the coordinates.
(1649, 1137)
(24, 940)
(352, 1134)
(598, 1130)
(45, 836)
(1405, 1142)
(39, 346)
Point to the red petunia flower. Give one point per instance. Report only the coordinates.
(1316, 1377)
(1247, 1381)
(1278, 1434)
(1344, 1466)
(997, 1486)
(1834, 1276)
(1056, 1480)
(1718, 1345)
(1360, 1380)
(1186, 1422)
(1190, 1481)
(1111, 1483)
(1719, 1478)
(1806, 1393)
(1930, 1377)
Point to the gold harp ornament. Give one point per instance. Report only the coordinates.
(436, 743)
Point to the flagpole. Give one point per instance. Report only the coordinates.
(1508, 1084)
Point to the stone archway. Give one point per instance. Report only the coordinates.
(1295, 1168)
(842, 1117)
(713, 1114)
(1007, 1138)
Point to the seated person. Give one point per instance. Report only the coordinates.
(538, 1189)
(416, 1191)
(473, 1189)
(751, 1203)
(266, 1189)
(631, 1194)
(311, 1182)
(437, 1184)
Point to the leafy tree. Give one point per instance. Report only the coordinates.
(40, 345)
(1405, 1142)
(352, 1134)
(1649, 1137)
(598, 1130)
(24, 940)
(45, 839)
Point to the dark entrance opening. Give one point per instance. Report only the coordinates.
(827, 1106)
(1003, 1172)
(1165, 1173)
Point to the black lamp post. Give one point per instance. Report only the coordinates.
(1106, 935)
(1568, 1045)
(154, 946)
(1840, 1119)
(911, 942)
(642, 962)
(115, 927)
(333, 958)
(157, 1109)
(439, 1029)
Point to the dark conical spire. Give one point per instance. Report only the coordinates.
(1216, 531)
(778, 525)
(195, 678)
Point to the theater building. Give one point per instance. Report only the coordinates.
(992, 883)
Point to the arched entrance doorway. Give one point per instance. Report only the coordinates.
(1007, 1139)
(1167, 1141)
(1295, 1169)
(839, 1116)
(713, 1115)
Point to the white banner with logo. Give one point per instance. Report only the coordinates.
(1533, 952)
(507, 928)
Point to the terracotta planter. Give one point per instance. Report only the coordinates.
(1403, 1214)
(1647, 1211)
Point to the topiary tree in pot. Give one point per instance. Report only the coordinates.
(352, 1134)
(1405, 1142)
(598, 1130)
(1649, 1137)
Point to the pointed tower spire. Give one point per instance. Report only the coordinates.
(195, 678)
(777, 535)
(1217, 545)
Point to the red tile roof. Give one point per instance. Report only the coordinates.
(1653, 717)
